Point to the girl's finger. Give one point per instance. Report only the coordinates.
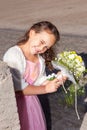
(56, 80)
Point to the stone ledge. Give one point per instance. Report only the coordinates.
(9, 119)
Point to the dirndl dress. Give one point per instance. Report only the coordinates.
(31, 115)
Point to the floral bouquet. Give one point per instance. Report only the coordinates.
(72, 66)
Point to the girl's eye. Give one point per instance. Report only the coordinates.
(46, 47)
(42, 42)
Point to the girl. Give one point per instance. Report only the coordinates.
(27, 62)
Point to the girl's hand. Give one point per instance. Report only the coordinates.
(52, 86)
(61, 77)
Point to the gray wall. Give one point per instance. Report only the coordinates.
(9, 119)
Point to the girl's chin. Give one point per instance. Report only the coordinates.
(35, 53)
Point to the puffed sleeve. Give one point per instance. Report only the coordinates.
(15, 60)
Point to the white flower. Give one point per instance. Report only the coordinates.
(71, 61)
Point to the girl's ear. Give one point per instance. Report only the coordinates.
(31, 33)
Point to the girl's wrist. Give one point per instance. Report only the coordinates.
(43, 89)
(46, 89)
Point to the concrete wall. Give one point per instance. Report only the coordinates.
(9, 119)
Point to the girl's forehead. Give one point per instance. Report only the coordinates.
(45, 34)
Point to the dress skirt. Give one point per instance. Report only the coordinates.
(31, 115)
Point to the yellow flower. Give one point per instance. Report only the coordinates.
(73, 52)
(79, 58)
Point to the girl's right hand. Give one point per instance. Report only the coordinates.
(53, 85)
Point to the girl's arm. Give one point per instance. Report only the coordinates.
(49, 87)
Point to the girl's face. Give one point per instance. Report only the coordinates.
(40, 42)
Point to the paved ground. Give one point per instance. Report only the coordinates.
(58, 116)
(70, 16)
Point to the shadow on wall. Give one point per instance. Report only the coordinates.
(83, 126)
(84, 57)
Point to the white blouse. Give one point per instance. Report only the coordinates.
(15, 59)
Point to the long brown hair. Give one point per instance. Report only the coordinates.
(39, 27)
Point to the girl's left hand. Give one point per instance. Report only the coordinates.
(61, 77)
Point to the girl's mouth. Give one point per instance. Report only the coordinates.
(37, 50)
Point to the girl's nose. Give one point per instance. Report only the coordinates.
(43, 48)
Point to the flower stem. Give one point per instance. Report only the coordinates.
(76, 103)
(64, 88)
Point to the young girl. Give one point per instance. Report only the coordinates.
(27, 62)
